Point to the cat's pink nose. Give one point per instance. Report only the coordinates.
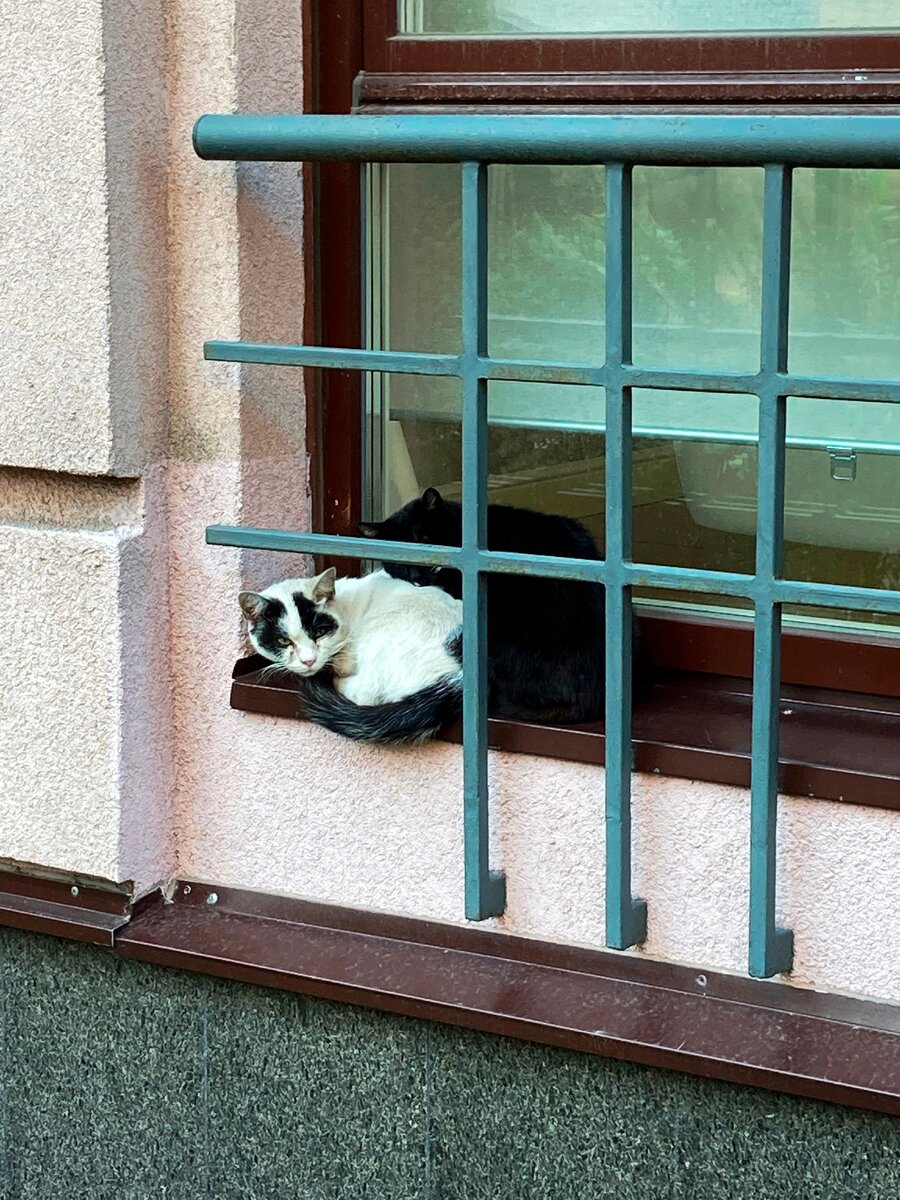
(308, 662)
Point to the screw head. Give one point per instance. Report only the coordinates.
(74, 890)
(187, 889)
(212, 898)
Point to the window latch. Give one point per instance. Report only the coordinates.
(843, 463)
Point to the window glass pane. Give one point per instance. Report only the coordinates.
(414, 251)
(530, 18)
(546, 254)
(845, 298)
(697, 248)
(842, 501)
(697, 283)
(546, 250)
(694, 490)
(413, 439)
(551, 466)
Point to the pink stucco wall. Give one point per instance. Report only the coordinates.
(284, 807)
(281, 806)
(119, 754)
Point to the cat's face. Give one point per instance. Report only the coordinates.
(429, 520)
(294, 624)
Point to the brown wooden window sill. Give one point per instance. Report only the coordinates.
(834, 745)
(380, 90)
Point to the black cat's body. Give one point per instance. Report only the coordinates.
(546, 637)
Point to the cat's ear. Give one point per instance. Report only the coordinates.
(323, 586)
(432, 500)
(370, 529)
(252, 605)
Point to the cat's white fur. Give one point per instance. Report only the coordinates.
(391, 638)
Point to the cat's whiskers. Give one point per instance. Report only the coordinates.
(273, 669)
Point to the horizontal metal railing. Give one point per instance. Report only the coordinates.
(777, 143)
(802, 141)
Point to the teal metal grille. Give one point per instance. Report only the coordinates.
(778, 144)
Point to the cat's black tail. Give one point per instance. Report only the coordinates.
(404, 722)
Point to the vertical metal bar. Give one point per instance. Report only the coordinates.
(626, 917)
(770, 947)
(485, 889)
(373, 213)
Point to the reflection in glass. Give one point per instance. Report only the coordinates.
(532, 18)
(845, 302)
(697, 298)
(697, 267)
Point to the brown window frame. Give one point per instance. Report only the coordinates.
(828, 60)
(361, 63)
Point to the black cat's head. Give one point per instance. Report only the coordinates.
(429, 520)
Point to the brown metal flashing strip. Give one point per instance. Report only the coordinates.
(621, 1006)
(80, 892)
(476, 939)
(63, 920)
(62, 903)
(834, 745)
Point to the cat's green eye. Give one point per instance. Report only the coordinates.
(282, 641)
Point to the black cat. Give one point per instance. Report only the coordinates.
(546, 637)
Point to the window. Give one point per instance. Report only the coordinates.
(697, 302)
(697, 241)
(477, 144)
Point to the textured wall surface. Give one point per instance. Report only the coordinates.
(85, 757)
(53, 205)
(82, 202)
(119, 1080)
(313, 814)
(58, 773)
(282, 807)
(122, 252)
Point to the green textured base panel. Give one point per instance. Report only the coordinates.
(119, 1081)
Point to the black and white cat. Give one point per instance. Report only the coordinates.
(379, 659)
(546, 637)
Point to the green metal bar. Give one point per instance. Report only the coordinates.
(534, 371)
(875, 391)
(626, 917)
(279, 540)
(858, 140)
(832, 595)
(770, 947)
(717, 583)
(508, 563)
(867, 140)
(485, 890)
(540, 371)
(326, 356)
